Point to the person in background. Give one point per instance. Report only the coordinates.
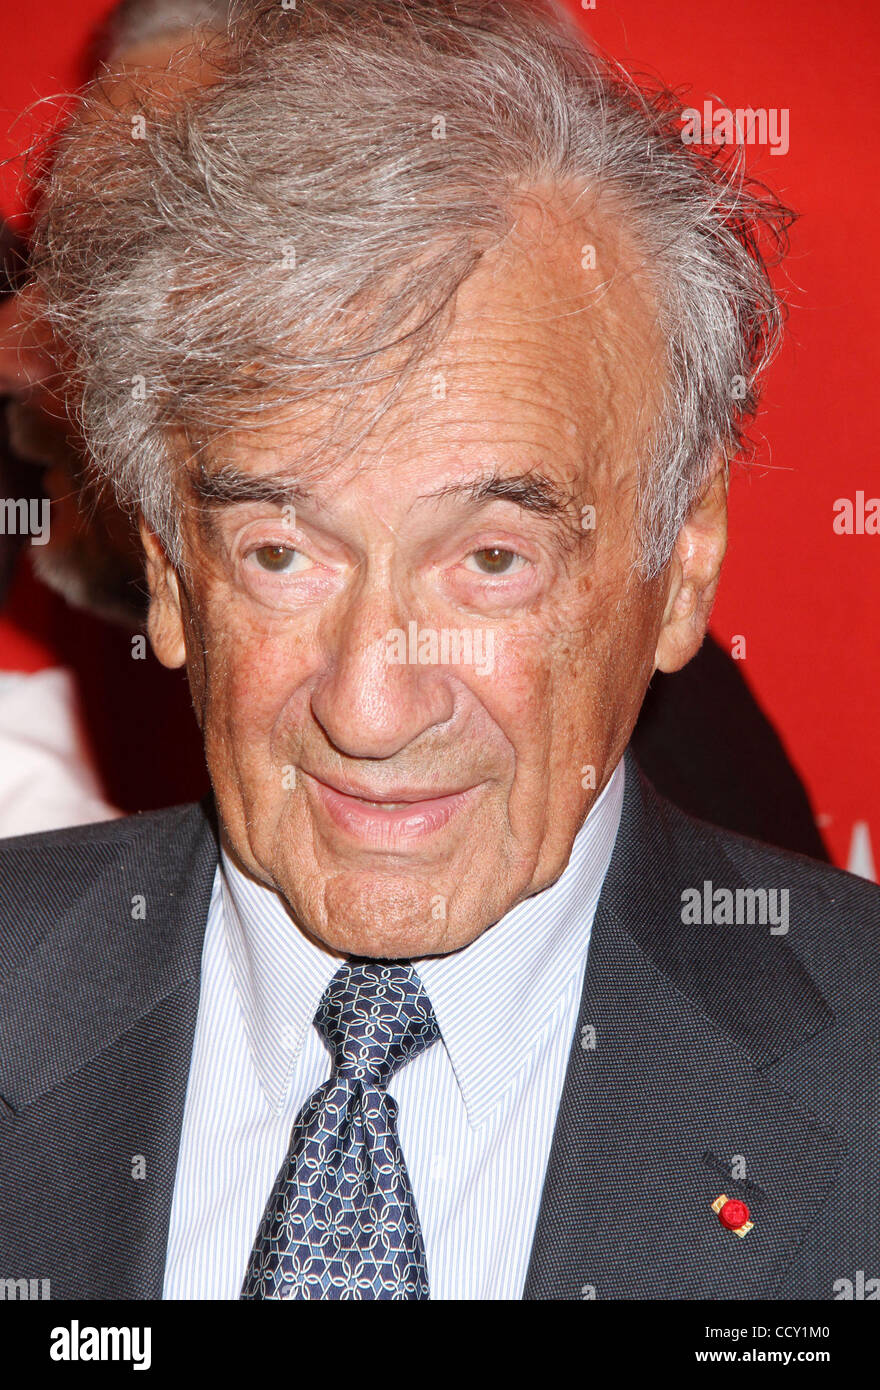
(88, 552)
(47, 774)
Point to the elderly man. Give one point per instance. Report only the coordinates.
(419, 342)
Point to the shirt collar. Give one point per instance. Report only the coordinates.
(279, 974)
(491, 999)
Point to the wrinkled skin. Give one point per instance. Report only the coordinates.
(283, 619)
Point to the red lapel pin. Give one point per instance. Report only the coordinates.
(733, 1215)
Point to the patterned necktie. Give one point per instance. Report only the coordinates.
(341, 1221)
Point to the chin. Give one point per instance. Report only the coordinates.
(388, 917)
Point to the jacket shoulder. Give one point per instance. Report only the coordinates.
(830, 918)
(57, 876)
(120, 831)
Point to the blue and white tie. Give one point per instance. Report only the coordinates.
(341, 1221)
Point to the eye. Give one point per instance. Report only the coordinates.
(279, 559)
(495, 561)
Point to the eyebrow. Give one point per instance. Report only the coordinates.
(229, 486)
(533, 491)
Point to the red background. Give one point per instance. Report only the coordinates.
(804, 598)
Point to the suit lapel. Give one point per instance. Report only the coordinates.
(667, 1101)
(98, 1015)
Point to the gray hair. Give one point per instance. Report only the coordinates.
(167, 260)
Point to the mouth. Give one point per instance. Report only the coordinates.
(389, 817)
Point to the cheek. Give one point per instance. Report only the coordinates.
(253, 671)
(562, 695)
(528, 690)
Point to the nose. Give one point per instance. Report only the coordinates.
(369, 702)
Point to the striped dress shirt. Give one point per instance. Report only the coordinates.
(476, 1111)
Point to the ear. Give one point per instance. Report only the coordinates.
(165, 622)
(694, 572)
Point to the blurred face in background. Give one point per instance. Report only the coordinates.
(92, 556)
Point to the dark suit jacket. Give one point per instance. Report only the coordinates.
(718, 1049)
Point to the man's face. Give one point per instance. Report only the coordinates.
(402, 795)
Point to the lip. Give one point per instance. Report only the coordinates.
(422, 813)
